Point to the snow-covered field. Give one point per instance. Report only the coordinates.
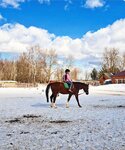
(28, 123)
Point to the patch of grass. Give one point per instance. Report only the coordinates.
(14, 121)
(106, 106)
(31, 116)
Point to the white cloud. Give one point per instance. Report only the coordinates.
(68, 3)
(44, 1)
(94, 3)
(16, 3)
(1, 17)
(18, 38)
(11, 3)
(111, 36)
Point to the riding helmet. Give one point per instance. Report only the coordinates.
(67, 70)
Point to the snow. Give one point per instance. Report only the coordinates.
(28, 123)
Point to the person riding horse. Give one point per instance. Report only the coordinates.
(67, 79)
(58, 87)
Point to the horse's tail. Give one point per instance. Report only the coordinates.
(47, 92)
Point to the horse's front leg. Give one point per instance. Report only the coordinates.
(67, 103)
(76, 95)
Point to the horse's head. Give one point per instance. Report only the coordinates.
(86, 89)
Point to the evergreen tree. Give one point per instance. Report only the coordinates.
(94, 74)
(102, 71)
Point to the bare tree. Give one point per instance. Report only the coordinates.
(50, 61)
(111, 59)
(36, 65)
(59, 73)
(87, 75)
(33, 58)
(74, 73)
(22, 65)
(1, 69)
(69, 61)
(122, 62)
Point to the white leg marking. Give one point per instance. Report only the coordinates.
(67, 105)
(51, 105)
(54, 105)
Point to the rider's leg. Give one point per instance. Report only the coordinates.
(70, 85)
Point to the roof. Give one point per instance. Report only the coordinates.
(108, 74)
(122, 73)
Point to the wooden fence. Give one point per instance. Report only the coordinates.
(16, 84)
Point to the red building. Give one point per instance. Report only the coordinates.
(119, 77)
(104, 77)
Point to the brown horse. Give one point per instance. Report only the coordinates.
(58, 87)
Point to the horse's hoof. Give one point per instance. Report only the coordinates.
(80, 106)
(67, 106)
(55, 107)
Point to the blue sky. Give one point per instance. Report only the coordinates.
(73, 21)
(81, 26)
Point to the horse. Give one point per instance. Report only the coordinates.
(58, 87)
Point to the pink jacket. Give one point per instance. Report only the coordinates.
(66, 77)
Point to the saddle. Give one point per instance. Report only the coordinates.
(66, 85)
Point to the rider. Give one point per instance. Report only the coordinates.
(67, 79)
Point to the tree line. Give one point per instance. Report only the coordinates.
(36, 66)
(40, 66)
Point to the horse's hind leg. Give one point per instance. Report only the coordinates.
(67, 103)
(54, 100)
(51, 99)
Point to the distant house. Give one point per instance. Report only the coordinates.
(104, 77)
(119, 77)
